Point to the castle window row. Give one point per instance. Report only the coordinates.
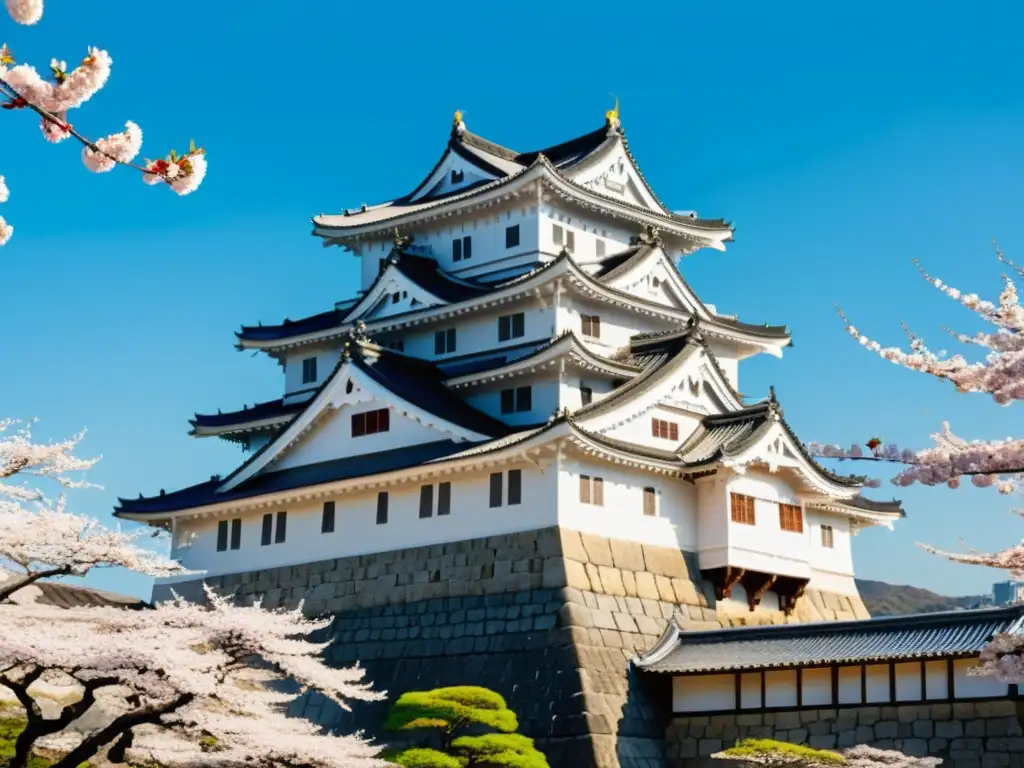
(791, 517)
(504, 489)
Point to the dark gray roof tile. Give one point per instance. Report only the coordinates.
(936, 635)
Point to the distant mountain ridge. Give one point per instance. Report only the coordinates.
(883, 599)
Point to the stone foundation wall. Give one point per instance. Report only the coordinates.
(966, 735)
(547, 618)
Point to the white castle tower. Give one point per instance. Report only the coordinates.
(527, 423)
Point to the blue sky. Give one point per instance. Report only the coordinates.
(841, 142)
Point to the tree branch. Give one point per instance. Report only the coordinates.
(11, 92)
(10, 586)
(887, 460)
(146, 715)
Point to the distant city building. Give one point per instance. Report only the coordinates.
(1008, 592)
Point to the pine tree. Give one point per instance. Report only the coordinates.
(445, 715)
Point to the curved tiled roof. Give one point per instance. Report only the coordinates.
(892, 638)
(259, 412)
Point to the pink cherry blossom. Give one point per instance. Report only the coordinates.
(41, 538)
(25, 11)
(116, 148)
(189, 672)
(53, 96)
(988, 463)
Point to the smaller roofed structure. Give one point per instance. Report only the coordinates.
(950, 634)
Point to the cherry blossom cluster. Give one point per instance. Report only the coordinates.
(41, 538)
(25, 11)
(999, 374)
(776, 754)
(65, 90)
(991, 463)
(201, 682)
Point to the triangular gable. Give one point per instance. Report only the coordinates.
(777, 447)
(638, 397)
(695, 389)
(614, 174)
(393, 293)
(455, 171)
(314, 434)
(653, 276)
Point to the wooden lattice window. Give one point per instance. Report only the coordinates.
(791, 518)
(827, 537)
(742, 509)
(666, 430)
(371, 422)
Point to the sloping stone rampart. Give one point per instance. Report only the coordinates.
(548, 618)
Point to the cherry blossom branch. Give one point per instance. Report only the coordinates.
(10, 92)
(150, 714)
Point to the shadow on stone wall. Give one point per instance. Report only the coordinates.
(548, 618)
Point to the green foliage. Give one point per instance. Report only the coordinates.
(507, 750)
(9, 730)
(451, 708)
(757, 748)
(425, 758)
(447, 710)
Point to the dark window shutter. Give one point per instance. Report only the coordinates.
(268, 529)
(444, 498)
(570, 240)
(586, 395)
(456, 250)
(518, 325)
(504, 328)
(512, 236)
(673, 431)
(371, 422)
(426, 500)
(222, 535)
(585, 489)
(496, 489)
(384, 420)
(382, 508)
(467, 247)
(236, 533)
(439, 342)
(595, 326)
(282, 527)
(524, 399)
(508, 401)
(327, 523)
(515, 486)
(449, 337)
(358, 424)
(598, 492)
